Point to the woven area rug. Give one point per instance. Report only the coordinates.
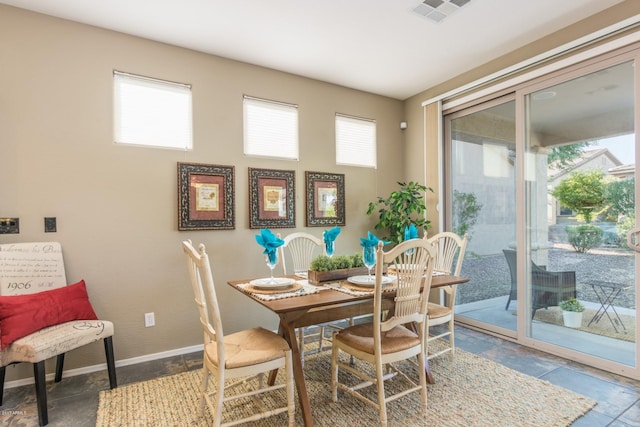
(603, 327)
(472, 391)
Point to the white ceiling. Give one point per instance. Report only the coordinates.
(379, 46)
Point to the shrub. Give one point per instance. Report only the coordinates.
(584, 237)
(571, 304)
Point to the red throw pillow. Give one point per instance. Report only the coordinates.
(21, 315)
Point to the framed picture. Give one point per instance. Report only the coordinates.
(325, 199)
(205, 197)
(271, 198)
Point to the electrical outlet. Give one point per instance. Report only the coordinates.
(149, 319)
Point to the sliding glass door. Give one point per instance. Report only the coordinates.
(482, 199)
(580, 203)
(543, 181)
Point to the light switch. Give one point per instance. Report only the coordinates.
(50, 224)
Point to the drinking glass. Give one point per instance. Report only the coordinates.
(271, 259)
(369, 257)
(330, 248)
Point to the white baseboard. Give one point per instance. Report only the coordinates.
(103, 366)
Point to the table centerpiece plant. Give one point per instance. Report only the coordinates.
(324, 268)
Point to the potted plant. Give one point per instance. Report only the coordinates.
(572, 312)
(324, 268)
(400, 209)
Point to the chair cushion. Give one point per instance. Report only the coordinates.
(21, 315)
(435, 311)
(360, 337)
(54, 340)
(249, 347)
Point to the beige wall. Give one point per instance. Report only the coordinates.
(116, 206)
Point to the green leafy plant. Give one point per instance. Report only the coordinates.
(584, 237)
(465, 212)
(571, 304)
(342, 261)
(620, 198)
(338, 262)
(321, 263)
(400, 209)
(582, 192)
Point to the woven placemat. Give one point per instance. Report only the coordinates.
(357, 288)
(254, 290)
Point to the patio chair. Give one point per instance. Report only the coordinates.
(450, 249)
(548, 287)
(241, 356)
(382, 342)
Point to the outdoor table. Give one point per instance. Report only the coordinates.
(325, 306)
(607, 292)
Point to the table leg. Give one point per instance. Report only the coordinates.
(289, 333)
(427, 368)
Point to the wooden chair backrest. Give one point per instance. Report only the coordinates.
(204, 291)
(413, 261)
(302, 248)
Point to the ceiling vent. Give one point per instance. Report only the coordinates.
(438, 10)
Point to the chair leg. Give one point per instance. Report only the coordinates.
(59, 367)
(301, 345)
(3, 370)
(41, 392)
(111, 365)
(512, 296)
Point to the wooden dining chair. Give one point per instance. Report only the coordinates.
(302, 248)
(384, 342)
(450, 250)
(242, 356)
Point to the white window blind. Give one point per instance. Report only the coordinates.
(270, 128)
(151, 112)
(355, 141)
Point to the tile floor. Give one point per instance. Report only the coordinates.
(74, 401)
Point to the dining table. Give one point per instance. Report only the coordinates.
(312, 304)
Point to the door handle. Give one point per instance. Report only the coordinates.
(633, 239)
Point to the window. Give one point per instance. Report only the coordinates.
(151, 112)
(355, 141)
(270, 128)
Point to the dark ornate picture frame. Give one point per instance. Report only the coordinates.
(325, 199)
(271, 198)
(206, 197)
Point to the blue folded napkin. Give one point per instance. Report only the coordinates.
(410, 232)
(270, 242)
(330, 235)
(370, 241)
